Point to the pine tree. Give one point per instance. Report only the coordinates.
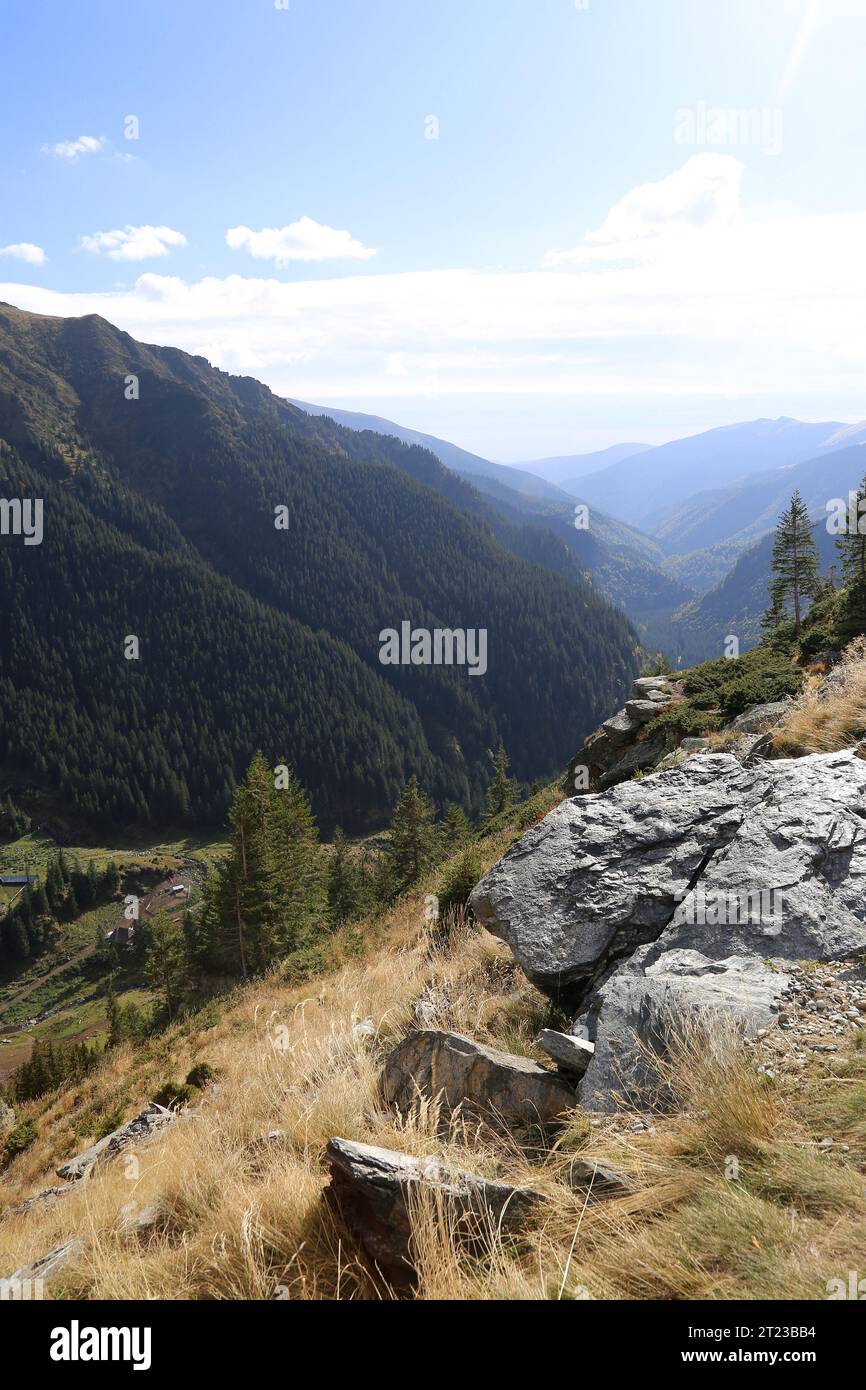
(296, 864)
(795, 561)
(456, 829)
(112, 1014)
(343, 882)
(852, 543)
(502, 791)
(269, 894)
(166, 962)
(412, 840)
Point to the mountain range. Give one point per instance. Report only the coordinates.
(688, 565)
(162, 479)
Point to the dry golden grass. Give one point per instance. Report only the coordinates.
(241, 1220)
(830, 715)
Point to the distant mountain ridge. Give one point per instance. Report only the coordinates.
(568, 469)
(645, 489)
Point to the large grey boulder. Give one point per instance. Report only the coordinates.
(641, 1009)
(602, 874)
(136, 1131)
(676, 865)
(459, 1072)
(7, 1117)
(373, 1189)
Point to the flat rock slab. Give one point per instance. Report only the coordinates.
(49, 1264)
(571, 1054)
(642, 711)
(760, 718)
(599, 1180)
(649, 687)
(374, 1189)
(460, 1072)
(136, 1131)
(620, 728)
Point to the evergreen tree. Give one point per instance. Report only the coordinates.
(343, 882)
(412, 840)
(795, 561)
(268, 896)
(92, 881)
(852, 543)
(166, 961)
(502, 791)
(456, 829)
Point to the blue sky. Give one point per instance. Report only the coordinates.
(636, 220)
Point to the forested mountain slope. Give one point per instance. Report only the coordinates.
(159, 522)
(624, 564)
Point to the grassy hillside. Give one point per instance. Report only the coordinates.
(243, 1219)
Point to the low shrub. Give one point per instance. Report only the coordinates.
(458, 879)
(174, 1097)
(19, 1139)
(201, 1075)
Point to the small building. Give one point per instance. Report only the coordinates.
(19, 880)
(121, 936)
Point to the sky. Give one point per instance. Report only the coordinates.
(531, 227)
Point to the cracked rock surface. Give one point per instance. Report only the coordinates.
(649, 896)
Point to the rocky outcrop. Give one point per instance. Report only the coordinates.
(7, 1117)
(46, 1198)
(670, 895)
(618, 749)
(461, 1073)
(373, 1190)
(137, 1131)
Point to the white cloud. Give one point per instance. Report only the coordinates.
(690, 326)
(71, 149)
(304, 240)
(133, 243)
(703, 194)
(24, 251)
